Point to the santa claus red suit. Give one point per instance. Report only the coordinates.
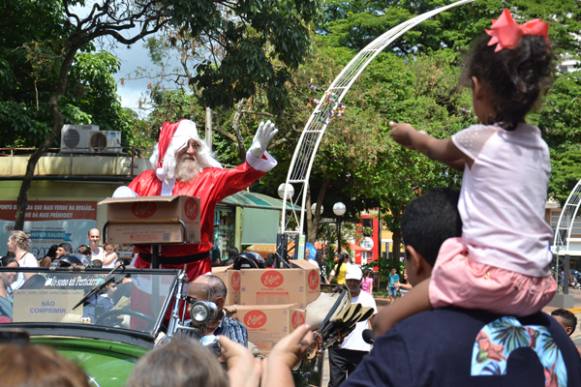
(211, 184)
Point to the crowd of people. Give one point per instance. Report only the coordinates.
(476, 260)
(91, 254)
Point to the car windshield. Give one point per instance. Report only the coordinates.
(132, 299)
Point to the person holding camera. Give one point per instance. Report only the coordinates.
(211, 288)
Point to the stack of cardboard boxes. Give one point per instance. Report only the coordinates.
(270, 302)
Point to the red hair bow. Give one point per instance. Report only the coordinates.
(506, 33)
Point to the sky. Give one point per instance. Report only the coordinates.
(132, 58)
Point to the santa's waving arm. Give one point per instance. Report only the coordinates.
(258, 162)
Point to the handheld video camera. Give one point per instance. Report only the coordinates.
(202, 313)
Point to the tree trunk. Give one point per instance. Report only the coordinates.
(236, 128)
(22, 200)
(57, 123)
(320, 199)
(396, 237)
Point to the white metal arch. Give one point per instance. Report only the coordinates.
(564, 229)
(308, 144)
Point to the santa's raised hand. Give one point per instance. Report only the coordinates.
(264, 135)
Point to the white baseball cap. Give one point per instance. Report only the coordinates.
(353, 273)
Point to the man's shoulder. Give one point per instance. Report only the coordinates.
(229, 322)
(146, 176)
(449, 318)
(365, 299)
(453, 346)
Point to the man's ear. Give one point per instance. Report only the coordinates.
(220, 301)
(476, 87)
(421, 268)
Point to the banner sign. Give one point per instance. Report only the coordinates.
(50, 210)
(50, 222)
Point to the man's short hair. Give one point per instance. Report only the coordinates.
(182, 362)
(567, 316)
(217, 286)
(431, 219)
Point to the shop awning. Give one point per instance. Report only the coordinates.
(256, 200)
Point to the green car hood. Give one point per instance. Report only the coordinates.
(107, 363)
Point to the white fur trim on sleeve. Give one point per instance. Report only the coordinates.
(124, 192)
(263, 164)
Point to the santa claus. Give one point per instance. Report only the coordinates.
(184, 166)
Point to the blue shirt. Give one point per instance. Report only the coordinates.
(234, 330)
(454, 347)
(393, 279)
(229, 327)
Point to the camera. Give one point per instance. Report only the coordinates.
(203, 312)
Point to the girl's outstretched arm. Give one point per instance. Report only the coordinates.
(416, 301)
(442, 150)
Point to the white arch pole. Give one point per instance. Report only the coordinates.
(306, 149)
(562, 239)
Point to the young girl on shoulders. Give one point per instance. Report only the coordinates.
(501, 263)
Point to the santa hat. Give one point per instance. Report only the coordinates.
(173, 137)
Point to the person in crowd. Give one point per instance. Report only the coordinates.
(184, 362)
(404, 284)
(110, 258)
(344, 358)
(340, 269)
(456, 346)
(38, 366)
(505, 240)
(183, 165)
(566, 318)
(209, 287)
(6, 280)
(367, 281)
(84, 254)
(63, 249)
(94, 237)
(393, 284)
(19, 245)
(323, 269)
(48, 257)
(105, 300)
(284, 356)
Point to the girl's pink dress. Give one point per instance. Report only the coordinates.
(367, 285)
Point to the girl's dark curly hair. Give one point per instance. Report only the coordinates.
(516, 77)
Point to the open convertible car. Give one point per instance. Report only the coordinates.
(103, 321)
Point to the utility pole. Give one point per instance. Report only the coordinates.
(208, 133)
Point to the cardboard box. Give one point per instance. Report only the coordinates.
(232, 280)
(299, 285)
(267, 324)
(152, 219)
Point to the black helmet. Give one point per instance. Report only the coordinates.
(249, 260)
(70, 260)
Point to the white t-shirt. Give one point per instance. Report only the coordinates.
(111, 264)
(355, 339)
(100, 254)
(27, 260)
(502, 201)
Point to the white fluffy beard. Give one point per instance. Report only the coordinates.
(187, 168)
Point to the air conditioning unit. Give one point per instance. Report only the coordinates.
(106, 141)
(76, 138)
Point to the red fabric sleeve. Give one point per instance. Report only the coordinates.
(232, 180)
